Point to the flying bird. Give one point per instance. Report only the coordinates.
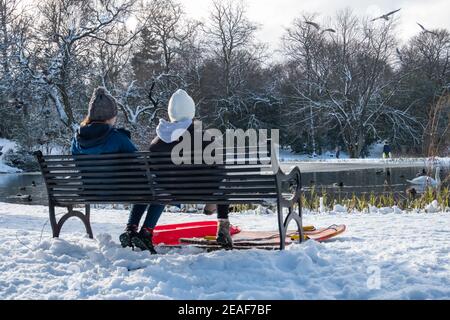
(426, 30)
(329, 30)
(315, 25)
(399, 54)
(387, 15)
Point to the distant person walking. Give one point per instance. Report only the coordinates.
(387, 151)
(338, 152)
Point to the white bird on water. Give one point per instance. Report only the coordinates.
(426, 180)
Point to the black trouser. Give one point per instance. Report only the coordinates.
(222, 211)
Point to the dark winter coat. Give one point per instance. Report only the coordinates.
(158, 145)
(387, 149)
(99, 138)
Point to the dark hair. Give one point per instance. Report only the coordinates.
(87, 121)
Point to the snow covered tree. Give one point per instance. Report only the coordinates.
(353, 85)
(307, 50)
(15, 27)
(59, 57)
(233, 95)
(424, 62)
(342, 82)
(166, 38)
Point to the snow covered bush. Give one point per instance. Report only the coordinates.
(21, 159)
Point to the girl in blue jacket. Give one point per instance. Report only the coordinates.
(97, 135)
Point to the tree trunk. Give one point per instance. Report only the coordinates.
(4, 31)
(62, 107)
(361, 144)
(356, 144)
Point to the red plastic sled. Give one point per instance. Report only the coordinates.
(171, 234)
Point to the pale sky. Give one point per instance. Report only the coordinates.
(275, 15)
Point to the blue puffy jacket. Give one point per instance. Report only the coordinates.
(99, 138)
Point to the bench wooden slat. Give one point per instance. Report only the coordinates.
(162, 173)
(199, 197)
(178, 180)
(164, 202)
(172, 192)
(160, 185)
(76, 175)
(93, 162)
(100, 193)
(62, 182)
(98, 156)
(151, 167)
(226, 151)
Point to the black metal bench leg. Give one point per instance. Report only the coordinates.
(53, 222)
(85, 218)
(87, 223)
(298, 219)
(284, 224)
(281, 227)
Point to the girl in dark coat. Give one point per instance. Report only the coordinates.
(97, 135)
(170, 134)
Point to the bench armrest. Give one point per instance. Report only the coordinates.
(294, 182)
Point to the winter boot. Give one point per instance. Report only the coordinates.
(125, 238)
(144, 240)
(223, 235)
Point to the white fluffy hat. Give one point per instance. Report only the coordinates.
(181, 107)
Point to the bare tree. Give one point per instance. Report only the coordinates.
(344, 81)
(305, 44)
(426, 64)
(167, 36)
(170, 28)
(234, 55)
(438, 127)
(354, 85)
(230, 33)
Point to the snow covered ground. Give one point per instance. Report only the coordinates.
(5, 146)
(382, 256)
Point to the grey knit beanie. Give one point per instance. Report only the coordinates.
(103, 106)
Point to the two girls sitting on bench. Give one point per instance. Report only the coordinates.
(97, 135)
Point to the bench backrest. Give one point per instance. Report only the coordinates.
(153, 178)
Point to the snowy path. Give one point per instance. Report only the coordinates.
(393, 256)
